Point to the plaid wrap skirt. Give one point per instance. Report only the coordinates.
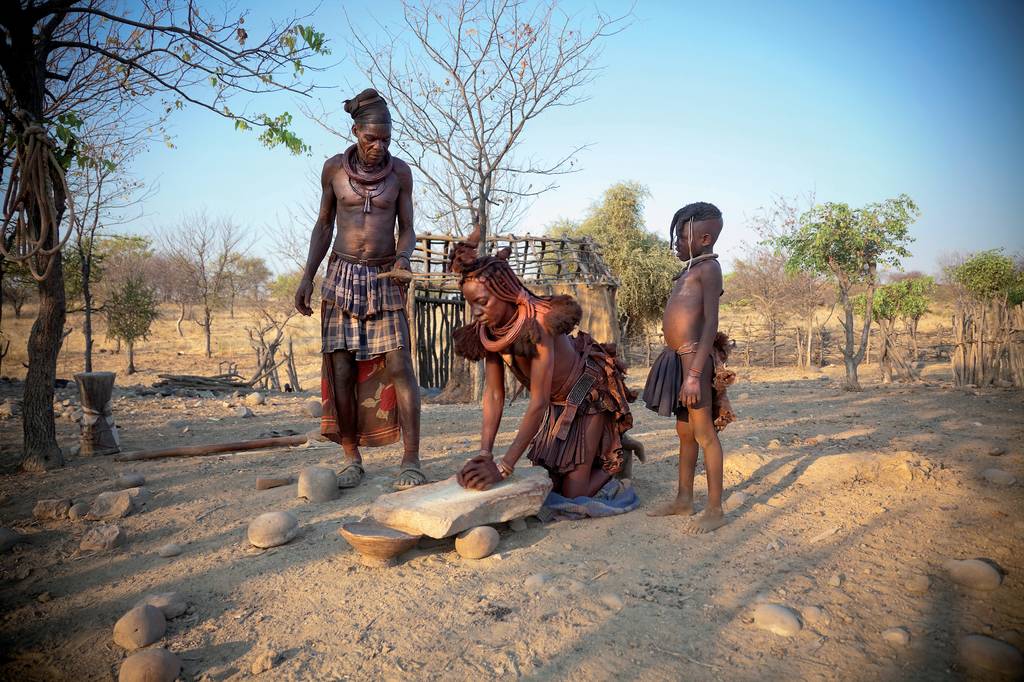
(360, 312)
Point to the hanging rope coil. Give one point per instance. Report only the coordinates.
(31, 190)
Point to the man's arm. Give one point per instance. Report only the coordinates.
(711, 290)
(406, 232)
(320, 240)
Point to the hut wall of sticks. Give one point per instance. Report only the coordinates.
(547, 265)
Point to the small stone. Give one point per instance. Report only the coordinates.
(243, 412)
(140, 496)
(272, 529)
(999, 477)
(777, 619)
(9, 538)
(263, 662)
(535, 582)
(985, 654)
(996, 451)
(111, 505)
(78, 511)
(8, 408)
(206, 394)
(734, 501)
(129, 480)
(917, 583)
(169, 550)
(102, 537)
(897, 637)
(44, 597)
(255, 398)
(774, 444)
(313, 407)
(171, 604)
(318, 484)
(151, 665)
(477, 543)
(612, 601)
(815, 615)
(140, 627)
(51, 510)
(974, 573)
(517, 525)
(836, 580)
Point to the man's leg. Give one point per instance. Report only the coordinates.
(344, 364)
(407, 392)
(682, 505)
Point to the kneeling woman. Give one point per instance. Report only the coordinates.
(579, 404)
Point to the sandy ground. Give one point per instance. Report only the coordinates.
(848, 497)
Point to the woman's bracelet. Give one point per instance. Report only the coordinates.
(504, 470)
(695, 372)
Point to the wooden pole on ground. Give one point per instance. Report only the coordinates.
(214, 448)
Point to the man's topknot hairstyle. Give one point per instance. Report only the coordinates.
(697, 211)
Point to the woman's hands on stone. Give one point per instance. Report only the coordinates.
(479, 473)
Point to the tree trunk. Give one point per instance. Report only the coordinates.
(799, 347)
(810, 341)
(41, 451)
(87, 322)
(850, 359)
(131, 357)
(17, 304)
(207, 330)
(181, 318)
(99, 434)
(885, 359)
(772, 338)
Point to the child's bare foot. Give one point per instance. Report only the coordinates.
(710, 520)
(680, 506)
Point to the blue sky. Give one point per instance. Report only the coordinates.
(733, 103)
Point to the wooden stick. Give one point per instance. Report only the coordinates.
(213, 448)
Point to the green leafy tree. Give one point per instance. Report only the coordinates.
(643, 263)
(131, 310)
(906, 300)
(847, 245)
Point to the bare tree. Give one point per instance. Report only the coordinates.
(266, 334)
(465, 78)
(66, 61)
(202, 249)
(106, 196)
(759, 281)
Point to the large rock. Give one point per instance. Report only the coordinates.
(140, 627)
(102, 537)
(445, 508)
(318, 484)
(272, 529)
(51, 510)
(151, 665)
(111, 505)
(255, 398)
(313, 407)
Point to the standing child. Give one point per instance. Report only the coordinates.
(688, 379)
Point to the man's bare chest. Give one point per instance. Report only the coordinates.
(356, 196)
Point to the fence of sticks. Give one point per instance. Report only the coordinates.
(547, 265)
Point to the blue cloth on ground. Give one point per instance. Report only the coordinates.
(616, 497)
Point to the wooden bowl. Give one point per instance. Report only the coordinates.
(377, 544)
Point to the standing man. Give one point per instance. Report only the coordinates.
(363, 321)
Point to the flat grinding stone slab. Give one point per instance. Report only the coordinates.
(445, 508)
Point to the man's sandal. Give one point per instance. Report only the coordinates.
(409, 477)
(351, 475)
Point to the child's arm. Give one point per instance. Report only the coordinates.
(711, 290)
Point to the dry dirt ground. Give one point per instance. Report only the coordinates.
(848, 496)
